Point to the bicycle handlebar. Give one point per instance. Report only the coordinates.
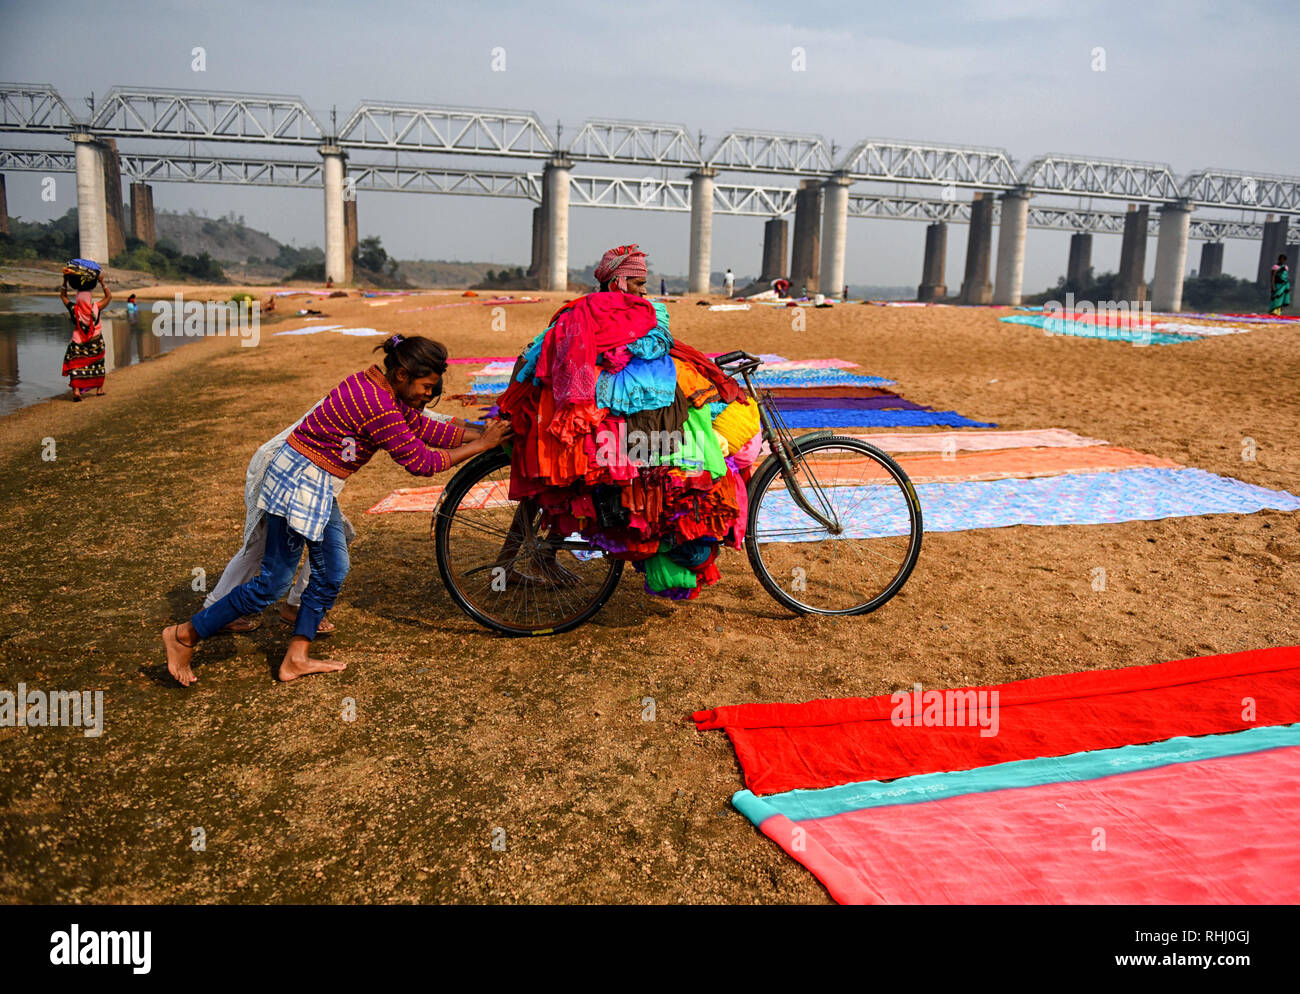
(737, 358)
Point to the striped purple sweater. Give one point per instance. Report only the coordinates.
(362, 415)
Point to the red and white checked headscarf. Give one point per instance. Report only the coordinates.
(618, 264)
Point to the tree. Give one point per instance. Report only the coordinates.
(370, 254)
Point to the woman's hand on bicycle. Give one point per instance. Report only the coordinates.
(494, 434)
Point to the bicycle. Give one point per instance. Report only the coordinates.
(815, 539)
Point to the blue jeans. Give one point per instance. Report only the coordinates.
(329, 566)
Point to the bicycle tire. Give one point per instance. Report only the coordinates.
(469, 475)
(758, 488)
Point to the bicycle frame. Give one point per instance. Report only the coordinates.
(777, 435)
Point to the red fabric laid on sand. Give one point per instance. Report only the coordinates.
(829, 742)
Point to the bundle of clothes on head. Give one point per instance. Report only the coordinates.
(633, 440)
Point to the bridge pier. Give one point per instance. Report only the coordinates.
(932, 287)
(1211, 261)
(350, 239)
(1010, 281)
(114, 216)
(1130, 284)
(835, 224)
(92, 224)
(701, 229)
(535, 264)
(336, 248)
(775, 239)
(4, 207)
(555, 209)
(1271, 245)
(1076, 271)
(1171, 257)
(975, 289)
(143, 224)
(804, 261)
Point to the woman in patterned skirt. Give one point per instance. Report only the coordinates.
(83, 362)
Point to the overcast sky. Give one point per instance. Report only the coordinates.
(1186, 82)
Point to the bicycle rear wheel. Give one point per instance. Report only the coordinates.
(855, 566)
(503, 568)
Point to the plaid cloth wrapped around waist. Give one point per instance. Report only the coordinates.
(299, 491)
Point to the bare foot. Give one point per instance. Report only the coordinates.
(76, 396)
(179, 656)
(297, 663)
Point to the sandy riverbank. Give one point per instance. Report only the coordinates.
(457, 732)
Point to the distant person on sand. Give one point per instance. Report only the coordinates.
(83, 361)
(1279, 286)
(782, 287)
(663, 287)
(372, 409)
(269, 306)
(729, 281)
(623, 268)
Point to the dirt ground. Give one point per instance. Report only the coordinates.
(461, 737)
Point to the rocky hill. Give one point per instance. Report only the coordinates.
(227, 239)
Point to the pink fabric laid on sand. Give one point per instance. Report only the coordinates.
(974, 441)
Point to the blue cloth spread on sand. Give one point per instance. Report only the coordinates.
(1072, 499)
(834, 417)
(1087, 329)
(816, 378)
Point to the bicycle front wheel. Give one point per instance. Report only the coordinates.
(863, 548)
(504, 568)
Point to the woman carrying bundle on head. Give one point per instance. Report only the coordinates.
(370, 410)
(83, 362)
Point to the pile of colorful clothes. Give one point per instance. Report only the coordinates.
(635, 441)
(81, 274)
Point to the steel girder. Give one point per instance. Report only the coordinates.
(196, 115)
(772, 152)
(633, 142)
(38, 160)
(1260, 191)
(1069, 175)
(420, 128)
(936, 165)
(34, 108)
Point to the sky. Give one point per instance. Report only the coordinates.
(1186, 83)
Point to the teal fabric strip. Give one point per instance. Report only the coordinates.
(801, 805)
(755, 808)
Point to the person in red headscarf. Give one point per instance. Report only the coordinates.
(83, 362)
(623, 268)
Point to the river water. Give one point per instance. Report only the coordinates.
(34, 332)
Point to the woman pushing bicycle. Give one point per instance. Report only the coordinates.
(370, 410)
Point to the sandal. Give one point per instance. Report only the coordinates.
(248, 623)
(326, 627)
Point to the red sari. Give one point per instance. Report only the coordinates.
(83, 362)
